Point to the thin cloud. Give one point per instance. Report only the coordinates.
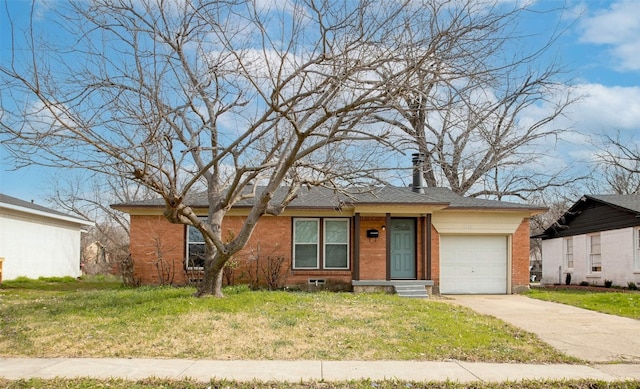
(619, 28)
(606, 107)
(599, 108)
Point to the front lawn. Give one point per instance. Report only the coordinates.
(39, 319)
(621, 304)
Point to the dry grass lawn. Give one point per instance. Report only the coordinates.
(73, 320)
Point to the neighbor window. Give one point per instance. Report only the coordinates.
(195, 248)
(320, 243)
(595, 255)
(568, 253)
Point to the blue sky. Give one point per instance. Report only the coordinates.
(600, 49)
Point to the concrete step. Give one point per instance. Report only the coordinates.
(411, 290)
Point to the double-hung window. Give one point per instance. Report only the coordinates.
(568, 253)
(336, 243)
(595, 255)
(306, 243)
(195, 249)
(321, 243)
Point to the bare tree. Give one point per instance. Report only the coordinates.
(617, 163)
(221, 95)
(89, 196)
(464, 107)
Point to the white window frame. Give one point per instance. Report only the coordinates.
(295, 242)
(593, 253)
(187, 264)
(569, 260)
(345, 243)
(321, 244)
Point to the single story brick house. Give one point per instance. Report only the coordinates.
(596, 240)
(373, 240)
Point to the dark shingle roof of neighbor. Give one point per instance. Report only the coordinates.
(16, 202)
(317, 198)
(629, 202)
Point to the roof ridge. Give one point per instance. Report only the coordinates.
(32, 206)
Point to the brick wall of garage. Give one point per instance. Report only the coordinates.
(435, 258)
(520, 257)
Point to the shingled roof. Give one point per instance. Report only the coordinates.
(324, 198)
(616, 211)
(30, 207)
(628, 202)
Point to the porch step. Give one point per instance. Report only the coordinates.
(411, 290)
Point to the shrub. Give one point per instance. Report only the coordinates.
(268, 269)
(229, 271)
(632, 285)
(126, 270)
(608, 283)
(273, 272)
(584, 283)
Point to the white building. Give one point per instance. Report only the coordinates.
(36, 241)
(596, 240)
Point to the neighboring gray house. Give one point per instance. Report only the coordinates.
(37, 241)
(597, 239)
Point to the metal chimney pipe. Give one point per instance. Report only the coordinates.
(418, 163)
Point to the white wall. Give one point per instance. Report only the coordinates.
(617, 248)
(36, 246)
(551, 259)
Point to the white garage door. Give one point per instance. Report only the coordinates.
(473, 264)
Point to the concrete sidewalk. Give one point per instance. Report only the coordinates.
(587, 335)
(296, 371)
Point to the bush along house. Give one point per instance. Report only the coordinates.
(409, 240)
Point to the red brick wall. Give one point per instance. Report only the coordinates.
(272, 237)
(273, 234)
(435, 255)
(151, 237)
(270, 241)
(373, 252)
(520, 257)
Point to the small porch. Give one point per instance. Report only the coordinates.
(407, 288)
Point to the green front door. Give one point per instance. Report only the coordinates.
(403, 249)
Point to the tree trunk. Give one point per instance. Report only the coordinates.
(212, 281)
(215, 260)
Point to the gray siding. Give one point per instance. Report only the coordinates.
(595, 217)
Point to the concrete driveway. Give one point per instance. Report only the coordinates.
(591, 336)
